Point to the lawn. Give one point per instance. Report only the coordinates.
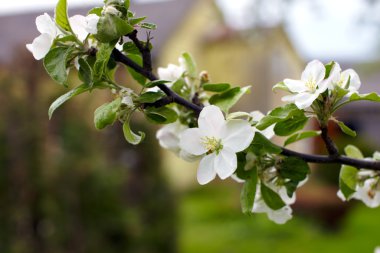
(211, 221)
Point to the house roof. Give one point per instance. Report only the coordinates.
(18, 30)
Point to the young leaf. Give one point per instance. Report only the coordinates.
(62, 99)
(106, 114)
(130, 136)
(127, 3)
(345, 129)
(161, 115)
(216, 87)
(112, 27)
(347, 180)
(102, 58)
(261, 145)
(293, 168)
(135, 21)
(280, 86)
(278, 114)
(248, 193)
(61, 17)
(97, 11)
(191, 67)
(150, 97)
(228, 98)
(353, 152)
(55, 63)
(148, 26)
(271, 198)
(155, 83)
(85, 71)
(291, 125)
(300, 136)
(374, 97)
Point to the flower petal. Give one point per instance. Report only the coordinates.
(92, 23)
(40, 46)
(191, 141)
(333, 78)
(354, 79)
(289, 98)
(295, 85)
(304, 100)
(211, 121)
(206, 172)
(225, 163)
(280, 216)
(237, 135)
(314, 70)
(171, 73)
(78, 23)
(168, 136)
(45, 24)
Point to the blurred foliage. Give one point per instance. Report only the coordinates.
(211, 221)
(64, 187)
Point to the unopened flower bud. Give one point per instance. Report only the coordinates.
(204, 77)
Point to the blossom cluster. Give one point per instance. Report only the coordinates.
(226, 144)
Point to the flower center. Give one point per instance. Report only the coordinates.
(311, 84)
(212, 144)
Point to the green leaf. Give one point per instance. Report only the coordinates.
(137, 76)
(293, 168)
(161, 115)
(62, 99)
(155, 83)
(354, 152)
(97, 11)
(280, 86)
(374, 97)
(135, 21)
(300, 136)
(248, 193)
(261, 145)
(228, 98)
(345, 129)
(148, 26)
(295, 122)
(85, 71)
(127, 3)
(271, 198)
(130, 136)
(190, 65)
(102, 57)
(278, 114)
(61, 17)
(55, 63)
(348, 180)
(150, 97)
(106, 114)
(216, 87)
(328, 68)
(112, 27)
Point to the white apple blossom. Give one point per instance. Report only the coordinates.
(367, 189)
(218, 140)
(49, 31)
(311, 85)
(171, 73)
(377, 249)
(80, 25)
(169, 136)
(340, 79)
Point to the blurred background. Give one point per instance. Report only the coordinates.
(65, 187)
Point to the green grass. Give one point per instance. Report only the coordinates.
(211, 221)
